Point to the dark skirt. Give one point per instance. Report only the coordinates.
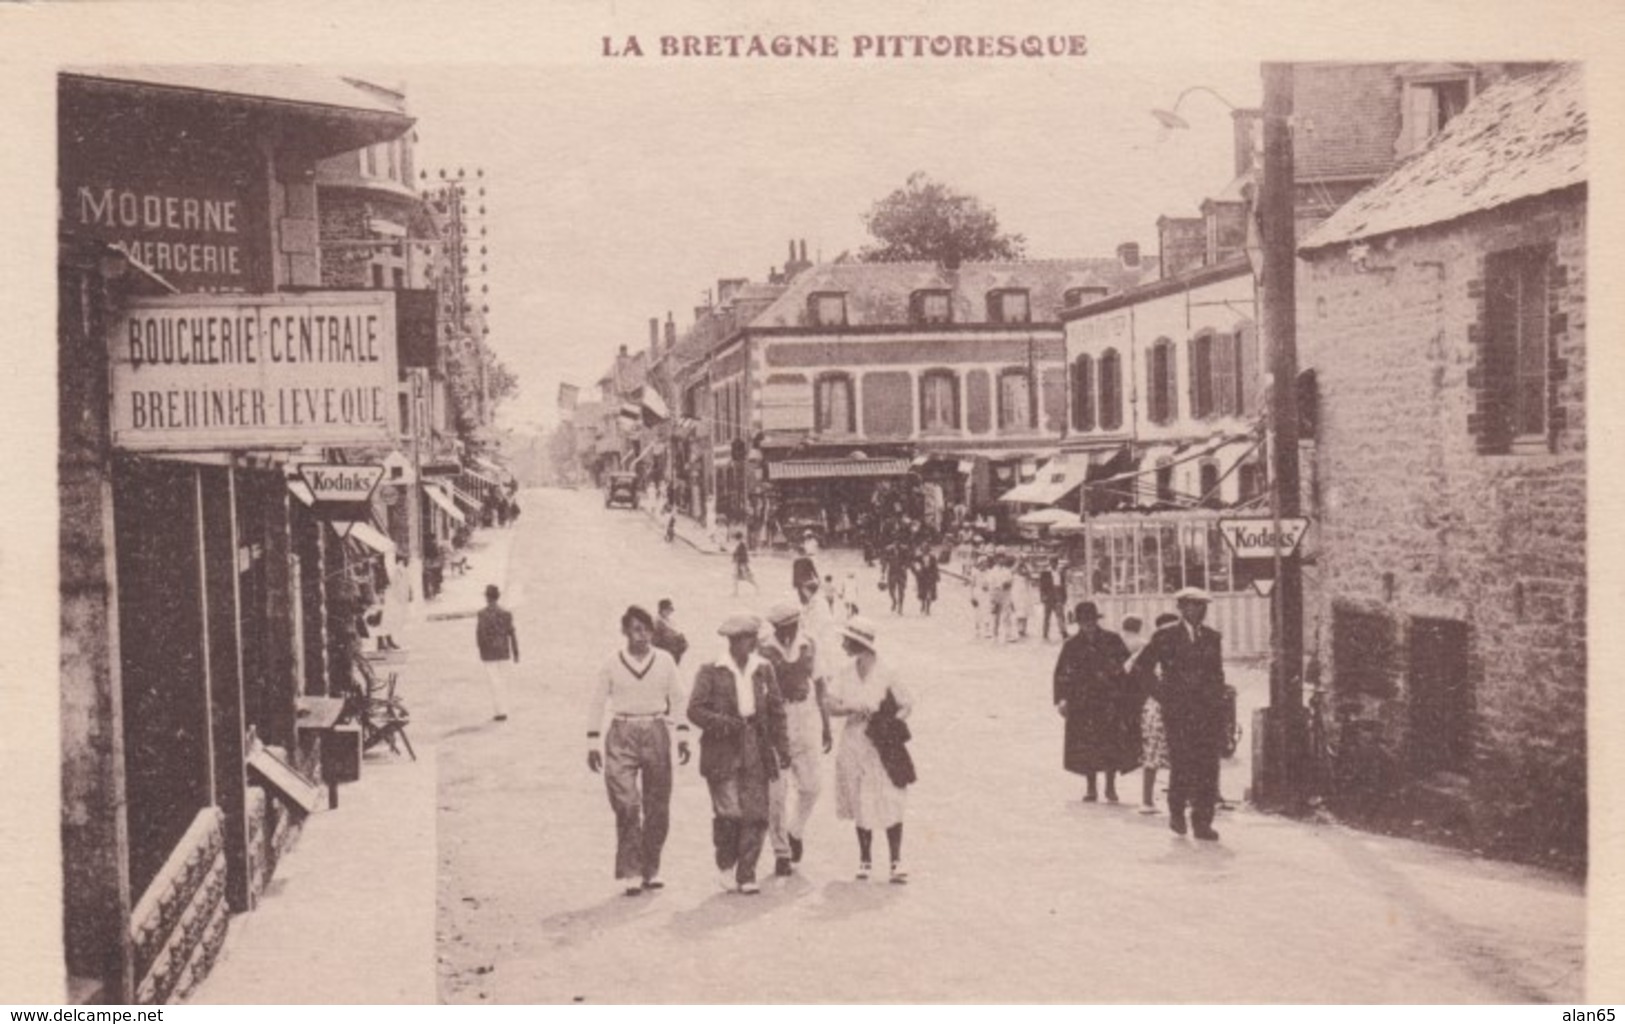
(1101, 740)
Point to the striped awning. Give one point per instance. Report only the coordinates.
(825, 469)
(446, 505)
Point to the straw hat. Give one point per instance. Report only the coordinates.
(861, 631)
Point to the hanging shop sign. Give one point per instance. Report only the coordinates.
(1259, 537)
(334, 483)
(201, 373)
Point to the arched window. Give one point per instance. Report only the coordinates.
(939, 400)
(1208, 483)
(1111, 390)
(1083, 393)
(835, 411)
(1162, 404)
(1015, 400)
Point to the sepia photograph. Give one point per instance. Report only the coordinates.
(938, 508)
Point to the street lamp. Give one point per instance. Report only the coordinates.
(1280, 730)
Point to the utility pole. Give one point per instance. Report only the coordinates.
(1281, 729)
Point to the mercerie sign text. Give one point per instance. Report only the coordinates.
(193, 234)
(214, 372)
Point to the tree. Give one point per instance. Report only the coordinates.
(926, 220)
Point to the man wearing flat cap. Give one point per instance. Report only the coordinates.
(794, 655)
(1183, 666)
(743, 745)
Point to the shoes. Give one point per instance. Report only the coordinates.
(1176, 821)
(1207, 834)
(1090, 798)
(749, 889)
(653, 884)
(725, 879)
(633, 890)
(898, 875)
(1111, 797)
(863, 871)
(795, 850)
(1148, 809)
(499, 718)
(782, 868)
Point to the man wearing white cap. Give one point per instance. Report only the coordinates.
(1183, 665)
(743, 745)
(794, 657)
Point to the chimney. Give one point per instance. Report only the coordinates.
(792, 250)
(654, 337)
(804, 250)
(623, 351)
(1129, 254)
(671, 331)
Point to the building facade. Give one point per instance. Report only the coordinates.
(202, 597)
(1446, 307)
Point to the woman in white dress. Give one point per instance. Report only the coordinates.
(864, 791)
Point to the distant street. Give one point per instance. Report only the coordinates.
(1019, 892)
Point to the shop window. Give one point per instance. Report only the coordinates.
(827, 309)
(1514, 398)
(1083, 393)
(1162, 404)
(939, 400)
(1009, 306)
(932, 306)
(1015, 400)
(834, 408)
(1111, 390)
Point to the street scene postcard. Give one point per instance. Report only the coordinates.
(629, 504)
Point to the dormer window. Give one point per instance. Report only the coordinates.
(1009, 306)
(931, 306)
(827, 309)
(1431, 101)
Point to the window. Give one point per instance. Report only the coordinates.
(1226, 376)
(1165, 483)
(939, 400)
(1009, 307)
(827, 309)
(1514, 402)
(1249, 481)
(1429, 105)
(930, 307)
(1083, 393)
(1208, 483)
(393, 152)
(834, 407)
(377, 275)
(1162, 404)
(1111, 390)
(370, 161)
(1015, 400)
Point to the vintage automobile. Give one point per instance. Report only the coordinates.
(622, 489)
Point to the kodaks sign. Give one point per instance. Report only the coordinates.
(215, 372)
(1260, 538)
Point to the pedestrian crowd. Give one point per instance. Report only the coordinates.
(765, 707)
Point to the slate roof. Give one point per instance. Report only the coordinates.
(288, 84)
(1522, 138)
(877, 294)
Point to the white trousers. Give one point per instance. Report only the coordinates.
(496, 680)
(806, 728)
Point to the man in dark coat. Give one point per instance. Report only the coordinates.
(1091, 693)
(743, 744)
(667, 636)
(1184, 666)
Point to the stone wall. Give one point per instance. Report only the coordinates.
(1418, 522)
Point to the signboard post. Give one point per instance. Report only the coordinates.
(202, 373)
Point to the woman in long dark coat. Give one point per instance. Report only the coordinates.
(1092, 693)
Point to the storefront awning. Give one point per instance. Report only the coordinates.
(367, 534)
(481, 477)
(1060, 476)
(463, 496)
(825, 469)
(1048, 517)
(447, 506)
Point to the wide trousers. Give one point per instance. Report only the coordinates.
(496, 681)
(739, 808)
(1193, 766)
(637, 774)
(806, 747)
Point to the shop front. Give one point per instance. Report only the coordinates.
(836, 494)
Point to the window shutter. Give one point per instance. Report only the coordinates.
(1153, 384)
(1224, 374)
(1171, 386)
(1192, 389)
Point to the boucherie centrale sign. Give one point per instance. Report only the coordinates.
(200, 373)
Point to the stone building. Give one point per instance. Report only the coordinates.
(1444, 310)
